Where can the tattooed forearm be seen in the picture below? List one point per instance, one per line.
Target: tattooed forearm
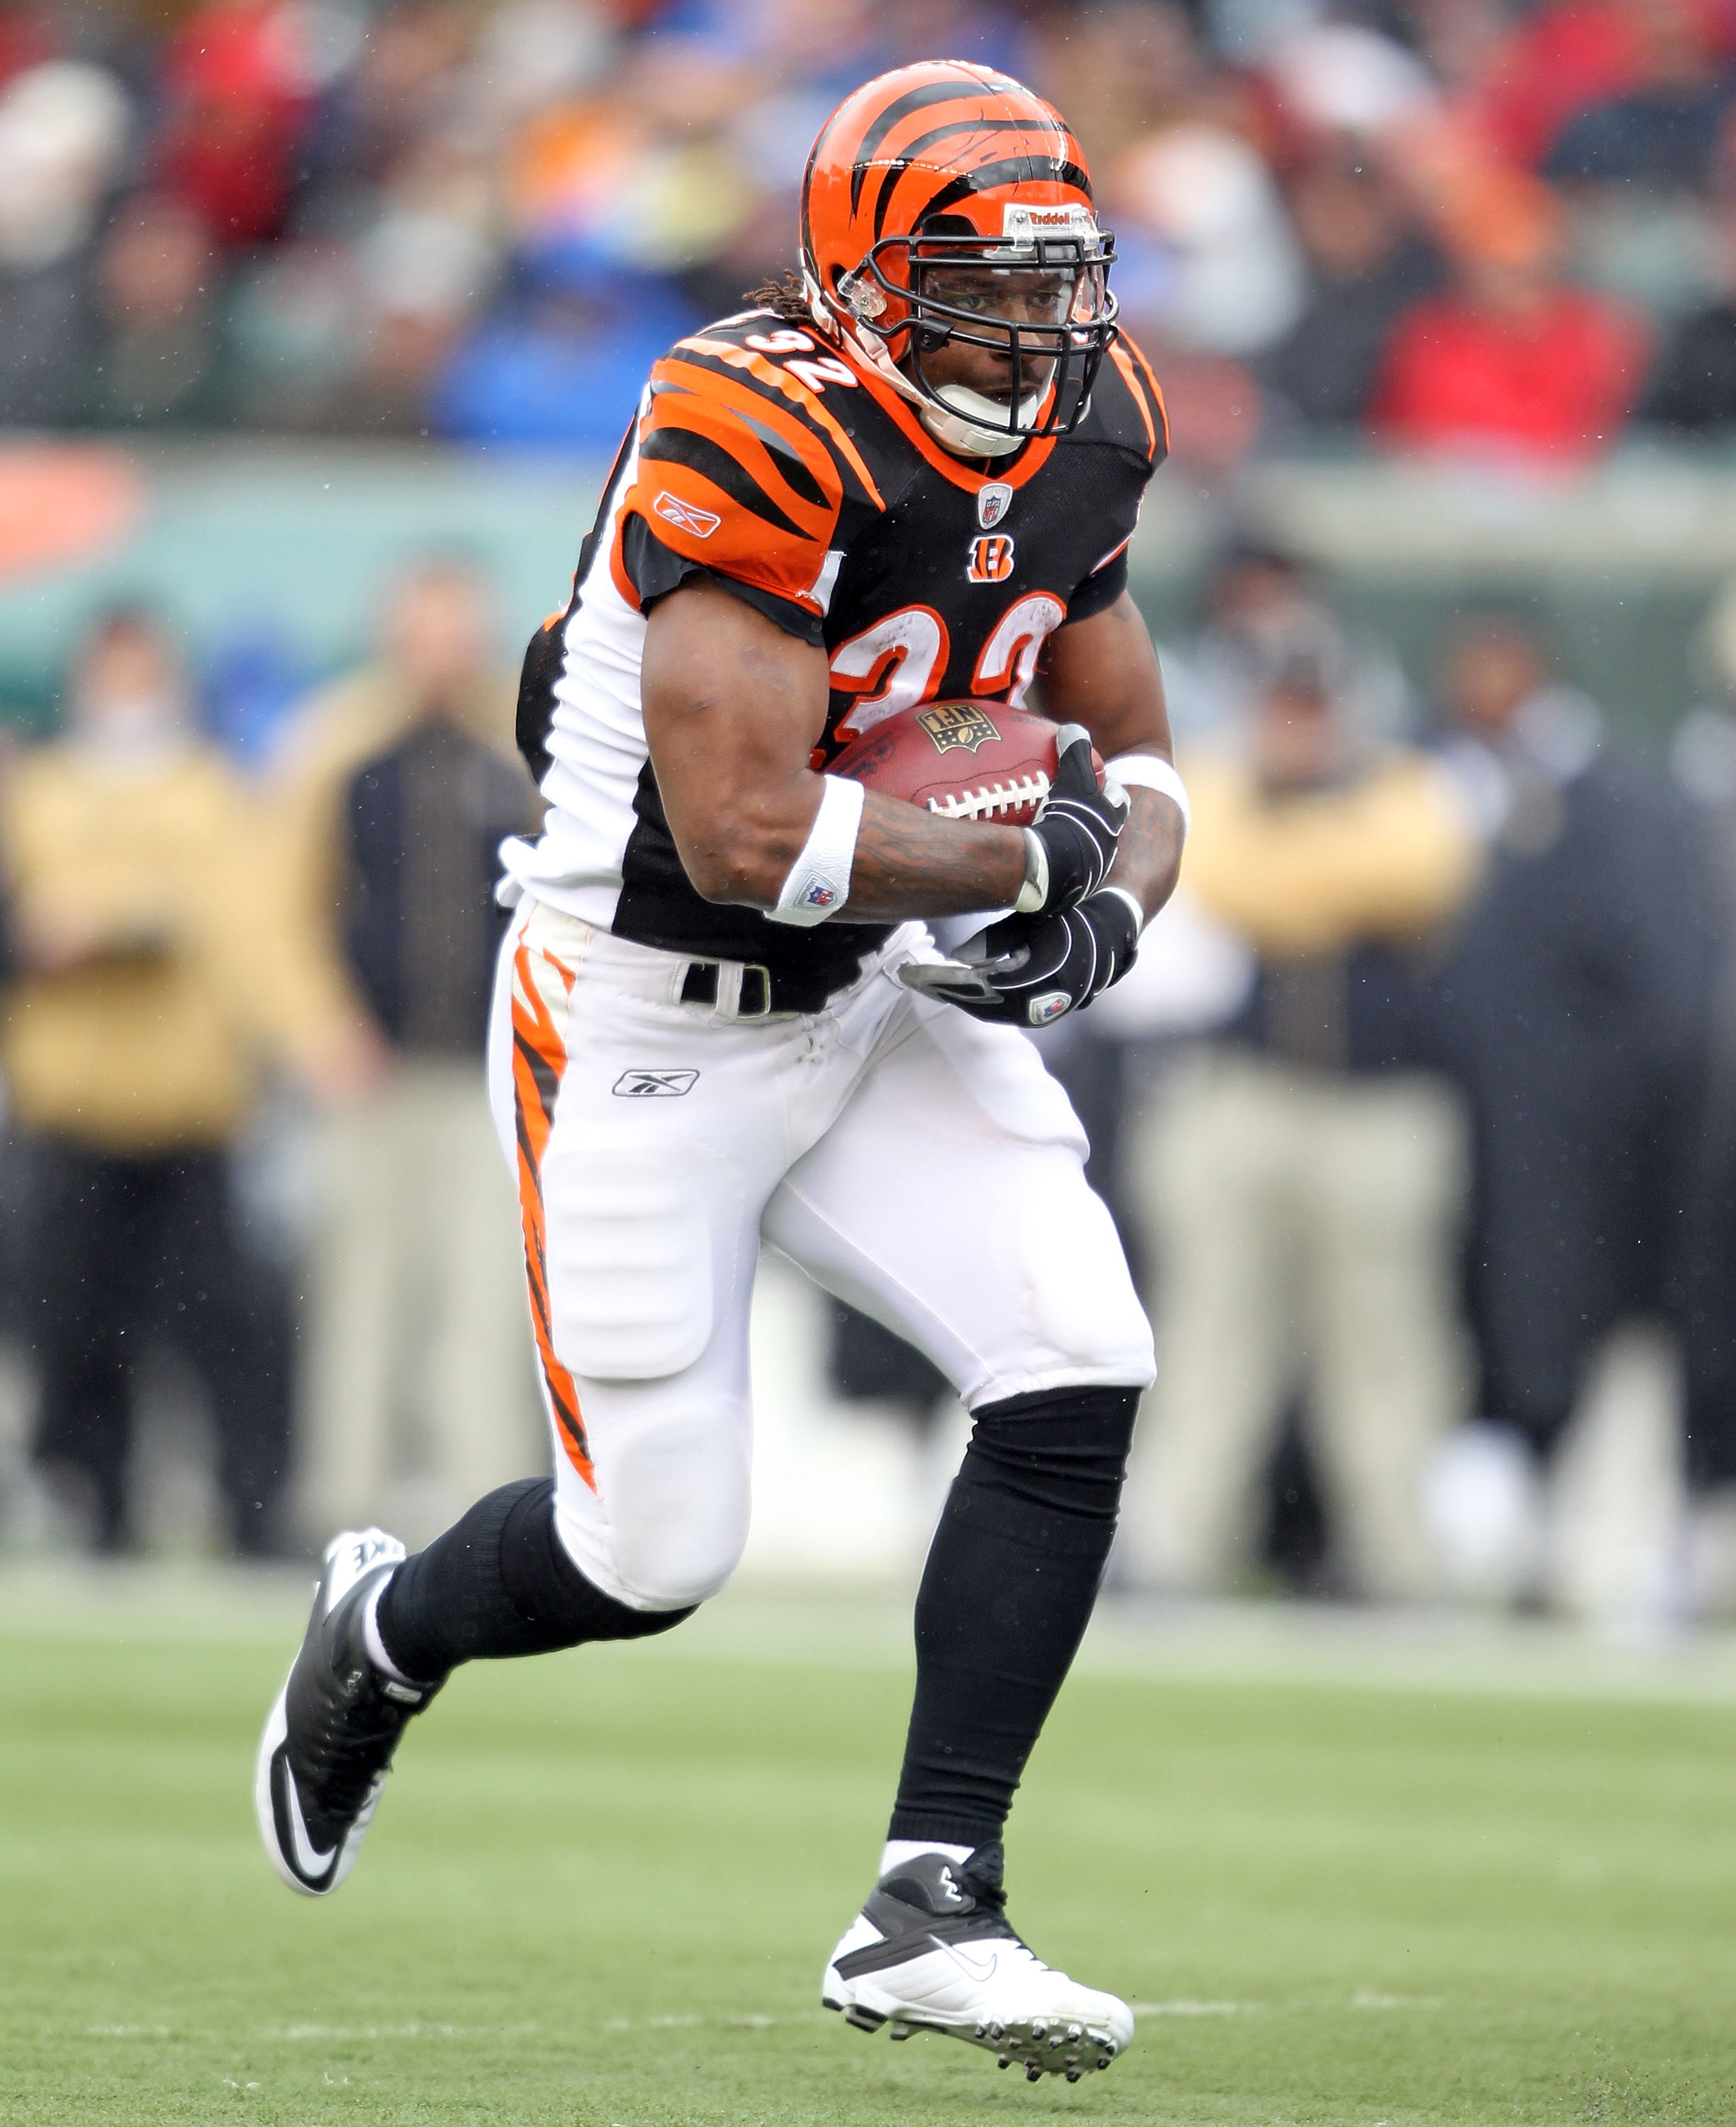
(909, 863)
(1148, 861)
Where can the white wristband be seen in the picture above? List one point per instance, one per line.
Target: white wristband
(1147, 771)
(819, 882)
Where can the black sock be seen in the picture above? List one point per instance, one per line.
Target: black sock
(501, 1583)
(1012, 1578)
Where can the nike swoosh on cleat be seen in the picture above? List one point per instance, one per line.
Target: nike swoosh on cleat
(306, 1860)
(979, 1964)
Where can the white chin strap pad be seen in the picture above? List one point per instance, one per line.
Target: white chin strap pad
(819, 881)
(977, 425)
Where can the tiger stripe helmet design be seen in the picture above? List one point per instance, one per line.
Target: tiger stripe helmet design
(945, 203)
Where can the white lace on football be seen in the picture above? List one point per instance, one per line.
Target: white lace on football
(992, 799)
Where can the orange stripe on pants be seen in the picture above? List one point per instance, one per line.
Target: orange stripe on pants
(539, 1064)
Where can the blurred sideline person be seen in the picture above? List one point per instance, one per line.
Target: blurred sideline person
(1703, 761)
(1571, 1008)
(1255, 594)
(150, 981)
(1302, 1175)
(402, 785)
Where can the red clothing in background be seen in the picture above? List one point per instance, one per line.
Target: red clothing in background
(1559, 382)
(1566, 58)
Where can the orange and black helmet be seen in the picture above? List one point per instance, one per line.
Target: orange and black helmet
(945, 202)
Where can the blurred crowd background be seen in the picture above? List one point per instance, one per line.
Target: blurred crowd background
(1431, 221)
(318, 319)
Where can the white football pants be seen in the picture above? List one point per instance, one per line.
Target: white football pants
(913, 1161)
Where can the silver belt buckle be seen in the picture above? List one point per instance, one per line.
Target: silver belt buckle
(732, 979)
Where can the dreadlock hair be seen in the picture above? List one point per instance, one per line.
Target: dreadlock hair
(785, 297)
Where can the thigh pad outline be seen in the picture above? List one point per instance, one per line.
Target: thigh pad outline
(631, 1280)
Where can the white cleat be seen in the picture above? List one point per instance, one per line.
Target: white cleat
(932, 1951)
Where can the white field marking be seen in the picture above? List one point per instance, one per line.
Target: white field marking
(1363, 1999)
(339, 2032)
(740, 2020)
(1191, 2008)
(231, 2083)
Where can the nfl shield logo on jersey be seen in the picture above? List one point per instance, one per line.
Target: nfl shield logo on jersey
(993, 501)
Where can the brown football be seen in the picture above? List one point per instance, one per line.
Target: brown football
(965, 760)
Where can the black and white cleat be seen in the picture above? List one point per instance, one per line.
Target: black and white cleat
(328, 1740)
(932, 1950)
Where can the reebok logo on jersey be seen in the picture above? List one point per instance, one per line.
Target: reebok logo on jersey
(990, 559)
(684, 517)
(654, 1085)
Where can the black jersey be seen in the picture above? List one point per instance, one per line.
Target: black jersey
(796, 477)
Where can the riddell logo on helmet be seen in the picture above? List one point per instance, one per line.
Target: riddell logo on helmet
(1025, 222)
(684, 517)
(990, 559)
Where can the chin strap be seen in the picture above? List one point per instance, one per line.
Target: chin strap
(957, 432)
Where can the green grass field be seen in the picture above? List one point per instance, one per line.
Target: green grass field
(602, 1886)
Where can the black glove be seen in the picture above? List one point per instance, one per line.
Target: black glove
(1078, 827)
(1030, 969)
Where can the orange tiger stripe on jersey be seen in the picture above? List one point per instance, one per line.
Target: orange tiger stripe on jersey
(768, 373)
(727, 445)
(713, 392)
(539, 1064)
(1150, 374)
(1136, 392)
(1147, 393)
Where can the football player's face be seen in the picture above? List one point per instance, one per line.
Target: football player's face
(994, 298)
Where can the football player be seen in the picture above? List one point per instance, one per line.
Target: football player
(722, 1017)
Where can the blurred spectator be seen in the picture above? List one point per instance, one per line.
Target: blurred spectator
(1301, 1175)
(1124, 71)
(237, 81)
(1694, 384)
(418, 1370)
(1367, 262)
(1557, 60)
(64, 128)
(147, 985)
(1662, 129)
(565, 366)
(476, 216)
(1512, 362)
(1703, 757)
(159, 353)
(1256, 595)
(1222, 273)
(1571, 1009)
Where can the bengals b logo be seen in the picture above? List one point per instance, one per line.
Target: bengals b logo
(991, 559)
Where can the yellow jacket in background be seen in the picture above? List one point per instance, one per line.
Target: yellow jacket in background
(1299, 873)
(157, 1043)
